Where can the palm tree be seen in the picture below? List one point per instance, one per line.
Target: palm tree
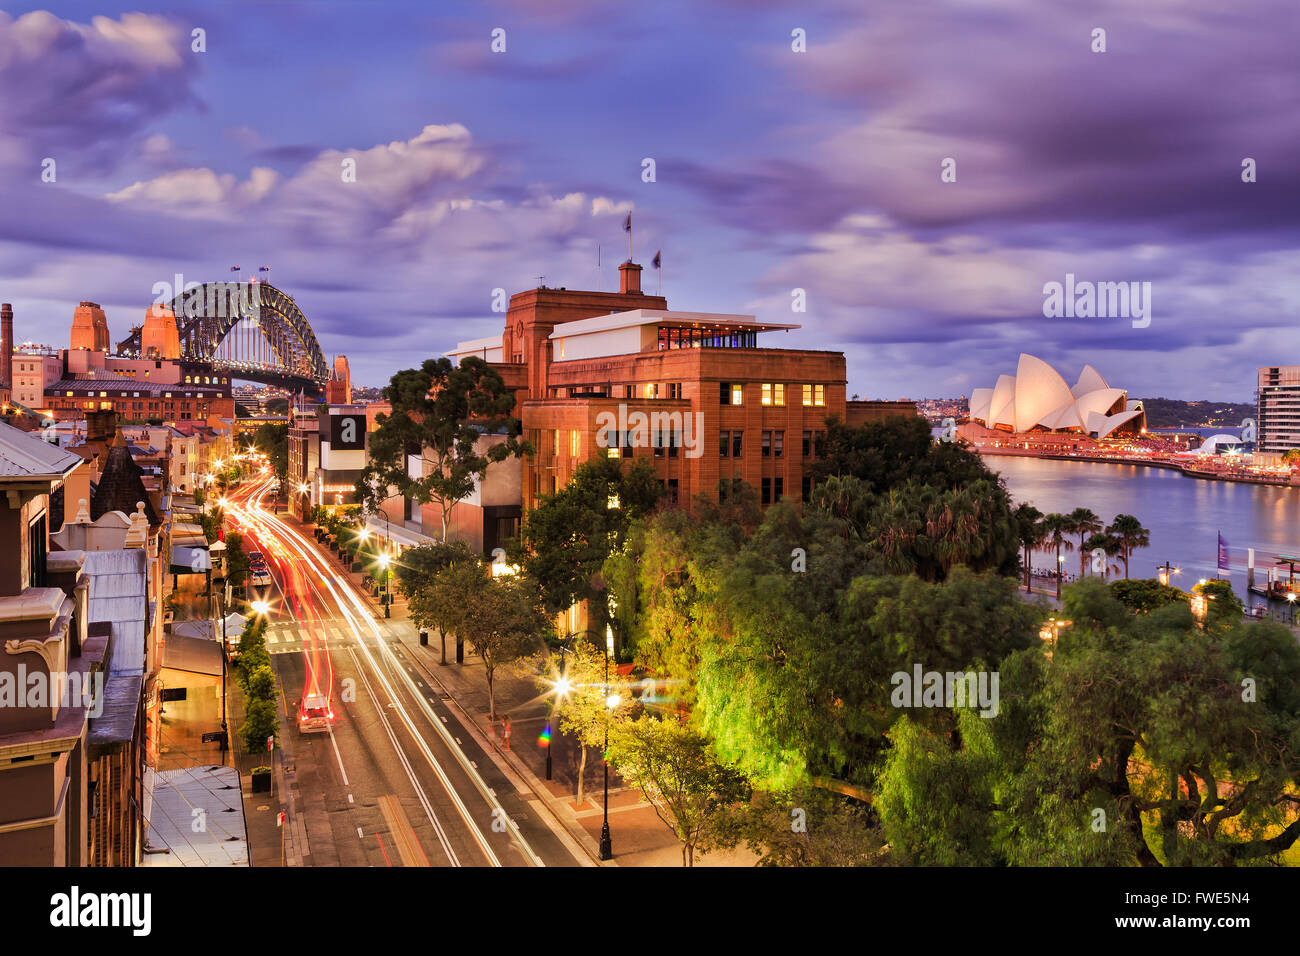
(1029, 529)
(1083, 522)
(1055, 528)
(1108, 544)
(1130, 533)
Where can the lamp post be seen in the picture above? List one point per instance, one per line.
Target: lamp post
(611, 701)
(384, 562)
(562, 688)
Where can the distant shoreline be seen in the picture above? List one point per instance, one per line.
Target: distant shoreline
(1185, 469)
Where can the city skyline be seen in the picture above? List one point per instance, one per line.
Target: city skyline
(775, 170)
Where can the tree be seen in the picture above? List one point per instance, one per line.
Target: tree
(676, 770)
(261, 720)
(503, 622)
(1029, 530)
(583, 710)
(236, 561)
(458, 417)
(813, 827)
(1182, 737)
(1130, 534)
(1106, 543)
(273, 438)
(1055, 528)
(434, 579)
(567, 538)
(1084, 522)
(1222, 606)
(1144, 595)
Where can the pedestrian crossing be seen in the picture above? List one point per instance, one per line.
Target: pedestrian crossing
(291, 637)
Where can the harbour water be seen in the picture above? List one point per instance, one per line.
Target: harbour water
(1183, 514)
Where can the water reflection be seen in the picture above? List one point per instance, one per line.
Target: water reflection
(1184, 514)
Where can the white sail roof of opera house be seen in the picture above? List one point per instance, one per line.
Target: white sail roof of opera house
(1037, 396)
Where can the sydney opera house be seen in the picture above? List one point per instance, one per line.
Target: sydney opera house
(1037, 398)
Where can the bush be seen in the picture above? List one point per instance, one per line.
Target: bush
(260, 721)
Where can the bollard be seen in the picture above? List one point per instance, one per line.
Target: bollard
(424, 638)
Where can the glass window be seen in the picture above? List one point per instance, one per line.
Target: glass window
(767, 491)
(766, 443)
(736, 445)
(737, 394)
(778, 444)
(767, 394)
(807, 395)
(778, 394)
(778, 489)
(574, 443)
(724, 393)
(724, 444)
(807, 444)
(819, 394)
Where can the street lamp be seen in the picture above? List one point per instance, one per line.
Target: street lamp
(606, 846)
(1290, 599)
(384, 561)
(562, 688)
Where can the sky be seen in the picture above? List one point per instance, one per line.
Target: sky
(776, 169)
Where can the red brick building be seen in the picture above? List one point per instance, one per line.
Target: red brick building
(695, 394)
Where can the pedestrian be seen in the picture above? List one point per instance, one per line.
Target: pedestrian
(505, 729)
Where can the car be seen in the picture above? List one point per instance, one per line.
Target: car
(256, 558)
(260, 577)
(315, 714)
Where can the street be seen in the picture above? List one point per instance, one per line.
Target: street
(396, 780)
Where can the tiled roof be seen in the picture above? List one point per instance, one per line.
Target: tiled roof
(116, 386)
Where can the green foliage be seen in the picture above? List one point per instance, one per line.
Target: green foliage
(566, 540)
(812, 827)
(1145, 594)
(437, 581)
(890, 453)
(236, 560)
(1130, 535)
(1222, 606)
(443, 410)
(691, 791)
(261, 720)
(273, 439)
(503, 622)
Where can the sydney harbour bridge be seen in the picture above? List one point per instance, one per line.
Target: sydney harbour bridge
(247, 330)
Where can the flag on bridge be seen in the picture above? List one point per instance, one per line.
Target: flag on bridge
(1224, 565)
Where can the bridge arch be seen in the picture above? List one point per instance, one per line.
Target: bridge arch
(249, 330)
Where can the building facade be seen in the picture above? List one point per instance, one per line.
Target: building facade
(1277, 408)
(705, 398)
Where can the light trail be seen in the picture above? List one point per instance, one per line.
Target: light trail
(358, 617)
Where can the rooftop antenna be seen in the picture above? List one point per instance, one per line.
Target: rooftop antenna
(541, 282)
(598, 267)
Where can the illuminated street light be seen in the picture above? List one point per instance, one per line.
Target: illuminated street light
(261, 607)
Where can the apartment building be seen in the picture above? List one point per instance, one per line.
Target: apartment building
(1277, 410)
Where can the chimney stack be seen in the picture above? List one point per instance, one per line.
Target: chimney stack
(7, 344)
(629, 278)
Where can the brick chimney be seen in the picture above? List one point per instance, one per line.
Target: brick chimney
(629, 278)
(7, 345)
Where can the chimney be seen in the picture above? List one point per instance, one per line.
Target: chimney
(7, 344)
(629, 278)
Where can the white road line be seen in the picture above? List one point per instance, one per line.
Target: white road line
(339, 757)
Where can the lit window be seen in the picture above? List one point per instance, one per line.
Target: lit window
(778, 394)
(652, 390)
(555, 435)
(819, 394)
(737, 394)
(767, 394)
(613, 452)
(573, 443)
(807, 395)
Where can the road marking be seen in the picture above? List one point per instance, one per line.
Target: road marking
(350, 798)
(459, 741)
(359, 833)
(339, 757)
